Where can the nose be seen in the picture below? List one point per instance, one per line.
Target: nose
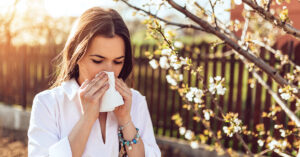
(108, 67)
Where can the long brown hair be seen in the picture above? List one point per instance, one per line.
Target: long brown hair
(95, 21)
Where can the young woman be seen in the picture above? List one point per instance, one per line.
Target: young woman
(65, 119)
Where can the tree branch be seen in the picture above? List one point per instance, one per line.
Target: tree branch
(274, 20)
(269, 48)
(257, 61)
(163, 20)
(214, 102)
(284, 107)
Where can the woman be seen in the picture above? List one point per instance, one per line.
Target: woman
(65, 119)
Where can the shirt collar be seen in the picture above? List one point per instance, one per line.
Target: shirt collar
(70, 86)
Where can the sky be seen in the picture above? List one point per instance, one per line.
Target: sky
(58, 8)
(79, 6)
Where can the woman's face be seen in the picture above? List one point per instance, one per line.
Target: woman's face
(103, 54)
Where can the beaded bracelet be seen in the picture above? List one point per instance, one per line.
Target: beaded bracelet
(128, 143)
(122, 127)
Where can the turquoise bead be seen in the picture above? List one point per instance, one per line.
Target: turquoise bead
(134, 141)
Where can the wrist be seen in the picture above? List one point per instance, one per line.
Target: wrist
(87, 118)
(124, 121)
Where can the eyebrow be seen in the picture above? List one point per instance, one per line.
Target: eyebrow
(104, 57)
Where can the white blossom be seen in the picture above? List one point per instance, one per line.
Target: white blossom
(237, 121)
(273, 144)
(194, 94)
(207, 114)
(189, 96)
(180, 77)
(178, 44)
(235, 125)
(218, 78)
(237, 129)
(260, 142)
(295, 90)
(188, 135)
(166, 52)
(238, 2)
(163, 62)
(227, 131)
(220, 89)
(194, 144)
(216, 85)
(286, 92)
(173, 58)
(211, 80)
(282, 133)
(171, 80)
(182, 130)
(184, 61)
(175, 65)
(153, 63)
(283, 144)
(285, 96)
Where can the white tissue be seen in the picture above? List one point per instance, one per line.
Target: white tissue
(111, 98)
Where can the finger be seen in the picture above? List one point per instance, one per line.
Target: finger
(127, 90)
(123, 92)
(98, 76)
(101, 72)
(99, 84)
(118, 85)
(94, 81)
(84, 84)
(100, 92)
(122, 82)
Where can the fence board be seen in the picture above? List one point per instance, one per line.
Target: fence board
(26, 70)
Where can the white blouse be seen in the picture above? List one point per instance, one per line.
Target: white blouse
(56, 111)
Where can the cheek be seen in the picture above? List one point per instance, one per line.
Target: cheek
(118, 69)
(88, 70)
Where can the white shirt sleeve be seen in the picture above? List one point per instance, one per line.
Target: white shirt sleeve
(43, 133)
(146, 130)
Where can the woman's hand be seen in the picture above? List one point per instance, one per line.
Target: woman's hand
(91, 92)
(123, 112)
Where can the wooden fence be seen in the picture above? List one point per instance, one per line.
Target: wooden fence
(25, 71)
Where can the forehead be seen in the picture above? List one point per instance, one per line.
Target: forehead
(107, 47)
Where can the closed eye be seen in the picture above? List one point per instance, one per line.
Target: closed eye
(118, 62)
(98, 62)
